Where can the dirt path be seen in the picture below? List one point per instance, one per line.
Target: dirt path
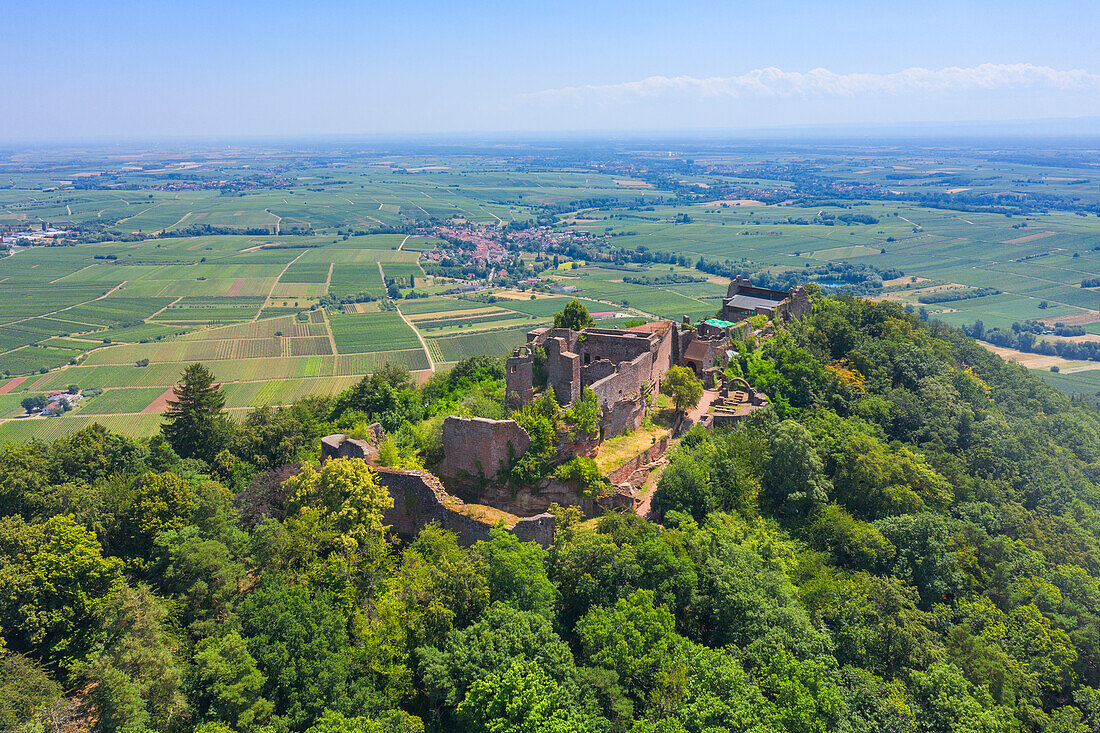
(328, 280)
(403, 242)
(423, 343)
(328, 329)
(164, 308)
(276, 283)
(82, 269)
(500, 222)
(620, 306)
(697, 412)
(645, 506)
(137, 214)
(182, 219)
(278, 222)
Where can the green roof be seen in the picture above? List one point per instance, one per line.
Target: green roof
(719, 324)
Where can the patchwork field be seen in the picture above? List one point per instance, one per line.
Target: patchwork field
(317, 275)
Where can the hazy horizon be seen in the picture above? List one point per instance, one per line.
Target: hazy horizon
(249, 69)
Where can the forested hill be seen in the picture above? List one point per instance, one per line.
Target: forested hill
(909, 540)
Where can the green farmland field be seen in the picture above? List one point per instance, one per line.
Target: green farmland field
(278, 280)
(372, 332)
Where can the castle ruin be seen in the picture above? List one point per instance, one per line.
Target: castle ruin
(623, 367)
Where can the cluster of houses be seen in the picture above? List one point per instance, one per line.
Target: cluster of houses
(27, 237)
(58, 403)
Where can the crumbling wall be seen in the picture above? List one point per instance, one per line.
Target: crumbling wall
(539, 528)
(419, 499)
(613, 345)
(529, 500)
(480, 448)
(796, 306)
(626, 381)
(519, 377)
(563, 370)
(622, 474)
(623, 395)
(663, 359)
(622, 417)
(596, 371)
(341, 446)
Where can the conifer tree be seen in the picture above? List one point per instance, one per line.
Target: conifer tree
(194, 423)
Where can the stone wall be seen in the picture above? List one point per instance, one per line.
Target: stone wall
(623, 395)
(626, 381)
(597, 370)
(419, 499)
(480, 448)
(622, 416)
(578, 360)
(797, 305)
(563, 370)
(519, 376)
(614, 345)
(528, 500)
(622, 474)
(341, 446)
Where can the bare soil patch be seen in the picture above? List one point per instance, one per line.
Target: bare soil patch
(904, 279)
(517, 295)
(235, 288)
(736, 202)
(1074, 319)
(485, 311)
(1029, 237)
(12, 384)
(160, 404)
(1031, 361)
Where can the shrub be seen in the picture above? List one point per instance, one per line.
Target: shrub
(584, 472)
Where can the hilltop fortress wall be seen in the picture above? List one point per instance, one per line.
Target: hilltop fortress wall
(419, 498)
(623, 367)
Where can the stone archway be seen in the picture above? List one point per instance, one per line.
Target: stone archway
(741, 382)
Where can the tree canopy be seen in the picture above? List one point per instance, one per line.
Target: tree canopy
(907, 539)
(573, 316)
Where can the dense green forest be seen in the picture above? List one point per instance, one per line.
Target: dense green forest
(908, 540)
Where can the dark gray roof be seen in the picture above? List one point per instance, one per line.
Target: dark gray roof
(751, 302)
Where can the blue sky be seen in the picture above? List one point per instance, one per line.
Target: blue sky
(82, 69)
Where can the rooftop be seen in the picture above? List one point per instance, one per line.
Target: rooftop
(751, 302)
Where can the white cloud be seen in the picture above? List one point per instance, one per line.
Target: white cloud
(773, 82)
